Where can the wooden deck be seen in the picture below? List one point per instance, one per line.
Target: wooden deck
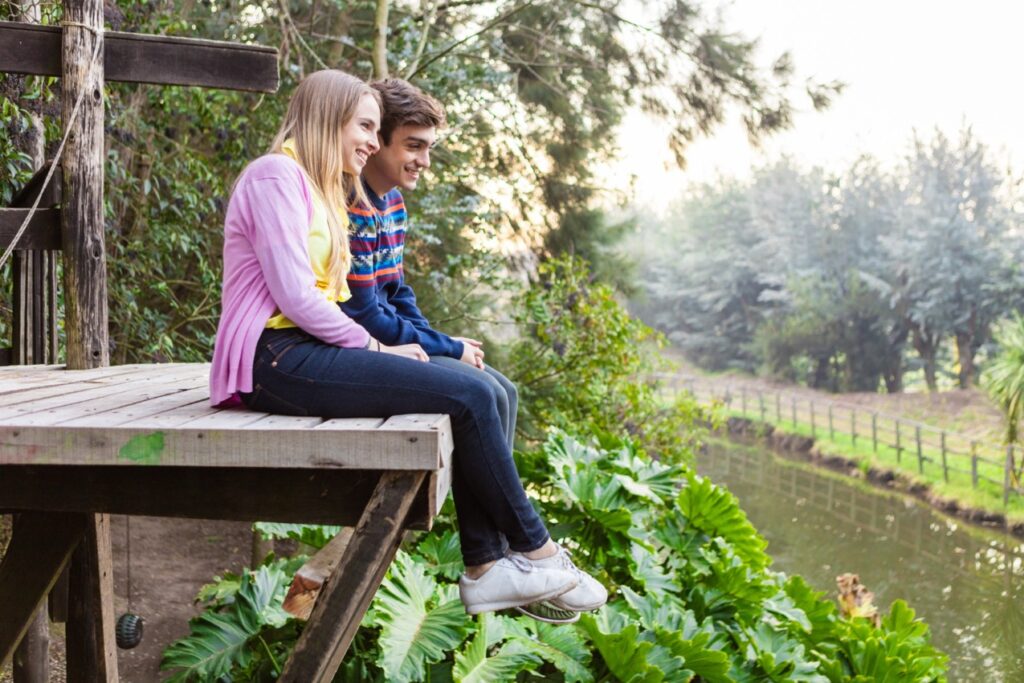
(136, 417)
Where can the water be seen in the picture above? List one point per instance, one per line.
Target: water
(968, 584)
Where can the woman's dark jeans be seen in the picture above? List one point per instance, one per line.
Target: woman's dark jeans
(297, 374)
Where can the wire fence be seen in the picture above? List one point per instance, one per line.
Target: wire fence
(910, 445)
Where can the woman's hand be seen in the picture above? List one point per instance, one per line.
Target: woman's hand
(472, 352)
(413, 351)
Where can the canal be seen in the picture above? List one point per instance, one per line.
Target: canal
(967, 583)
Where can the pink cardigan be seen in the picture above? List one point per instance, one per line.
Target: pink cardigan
(266, 268)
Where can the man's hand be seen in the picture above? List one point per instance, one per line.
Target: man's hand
(472, 352)
(411, 351)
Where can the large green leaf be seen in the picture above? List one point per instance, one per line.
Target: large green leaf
(623, 652)
(563, 647)
(442, 554)
(475, 663)
(219, 641)
(314, 535)
(420, 621)
(715, 511)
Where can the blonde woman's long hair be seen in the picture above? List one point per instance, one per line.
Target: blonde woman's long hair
(322, 104)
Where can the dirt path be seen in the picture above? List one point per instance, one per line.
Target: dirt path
(170, 560)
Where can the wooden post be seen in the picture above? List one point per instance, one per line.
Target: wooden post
(793, 411)
(32, 659)
(85, 273)
(874, 432)
(1006, 474)
(831, 426)
(778, 407)
(921, 456)
(743, 400)
(945, 466)
(899, 444)
(853, 425)
(974, 464)
(92, 657)
(814, 427)
(760, 402)
(345, 597)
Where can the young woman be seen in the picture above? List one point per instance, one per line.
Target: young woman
(284, 345)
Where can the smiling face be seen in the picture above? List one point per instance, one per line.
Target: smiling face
(359, 136)
(400, 163)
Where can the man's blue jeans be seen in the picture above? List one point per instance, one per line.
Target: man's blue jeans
(505, 394)
(297, 374)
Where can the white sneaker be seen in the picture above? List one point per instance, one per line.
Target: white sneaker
(511, 582)
(588, 595)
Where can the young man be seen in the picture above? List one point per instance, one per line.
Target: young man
(381, 301)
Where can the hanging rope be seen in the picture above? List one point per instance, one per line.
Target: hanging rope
(60, 149)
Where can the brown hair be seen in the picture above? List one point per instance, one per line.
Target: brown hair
(320, 107)
(405, 105)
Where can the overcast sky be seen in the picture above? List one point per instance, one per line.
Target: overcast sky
(906, 63)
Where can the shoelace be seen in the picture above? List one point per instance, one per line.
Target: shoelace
(566, 560)
(520, 562)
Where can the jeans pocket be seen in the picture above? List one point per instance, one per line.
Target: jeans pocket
(268, 402)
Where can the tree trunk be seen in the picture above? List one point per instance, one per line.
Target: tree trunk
(380, 41)
(926, 346)
(965, 353)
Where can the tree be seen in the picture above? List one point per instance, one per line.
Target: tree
(1004, 377)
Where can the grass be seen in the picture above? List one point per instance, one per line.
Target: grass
(928, 470)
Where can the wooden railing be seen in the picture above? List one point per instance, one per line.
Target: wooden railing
(930, 450)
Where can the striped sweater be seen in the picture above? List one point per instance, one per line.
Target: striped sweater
(381, 301)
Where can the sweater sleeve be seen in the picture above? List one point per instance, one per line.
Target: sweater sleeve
(280, 213)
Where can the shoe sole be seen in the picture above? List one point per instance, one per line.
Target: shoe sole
(548, 620)
(584, 608)
(519, 602)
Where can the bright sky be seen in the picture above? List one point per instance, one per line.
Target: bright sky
(907, 64)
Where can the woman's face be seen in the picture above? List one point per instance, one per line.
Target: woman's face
(359, 136)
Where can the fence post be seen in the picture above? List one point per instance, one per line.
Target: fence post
(743, 400)
(945, 467)
(814, 427)
(974, 464)
(831, 427)
(874, 432)
(760, 400)
(778, 407)
(921, 456)
(899, 444)
(853, 425)
(793, 411)
(1006, 474)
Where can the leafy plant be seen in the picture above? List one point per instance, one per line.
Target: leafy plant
(1004, 377)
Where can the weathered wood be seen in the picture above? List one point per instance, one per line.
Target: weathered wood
(345, 598)
(26, 196)
(58, 598)
(39, 549)
(135, 58)
(85, 270)
(310, 577)
(43, 231)
(313, 496)
(32, 658)
(91, 649)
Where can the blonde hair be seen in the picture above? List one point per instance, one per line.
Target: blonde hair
(322, 104)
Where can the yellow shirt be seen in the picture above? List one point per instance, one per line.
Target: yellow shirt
(319, 246)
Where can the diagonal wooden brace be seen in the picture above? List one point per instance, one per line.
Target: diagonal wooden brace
(92, 657)
(311, 576)
(347, 594)
(39, 549)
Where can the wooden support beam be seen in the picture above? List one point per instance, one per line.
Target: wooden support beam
(347, 595)
(85, 259)
(243, 494)
(135, 58)
(43, 231)
(32, 658)
(39, 549)
(92, 653)
(311, 576)
(26, 196)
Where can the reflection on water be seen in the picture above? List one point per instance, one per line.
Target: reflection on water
(967, 584)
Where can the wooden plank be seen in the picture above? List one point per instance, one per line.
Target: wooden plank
(351, 423)
(286, 422)
(85, 266)
(310, 577)
(26, 196)
(314, 496)
(136, 58)
(132, 444)
(91, 650)
(43, 231)
(189, 398)
(40, 547)
(32, 658)
(345, 598)
(440, 482)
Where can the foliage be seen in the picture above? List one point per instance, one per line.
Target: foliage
(583, 360)
(694, 597)
(833, 280)
(1004, 377)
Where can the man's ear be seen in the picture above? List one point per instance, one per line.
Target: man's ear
(380, 141)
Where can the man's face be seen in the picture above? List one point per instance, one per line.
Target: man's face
(400, 163)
